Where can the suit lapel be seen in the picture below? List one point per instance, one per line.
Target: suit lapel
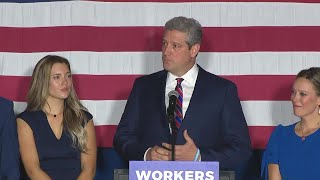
(196, 97)
(162, 89)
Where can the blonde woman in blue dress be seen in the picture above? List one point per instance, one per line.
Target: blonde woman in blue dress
(293, 151)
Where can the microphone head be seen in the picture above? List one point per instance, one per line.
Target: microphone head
(173, 93)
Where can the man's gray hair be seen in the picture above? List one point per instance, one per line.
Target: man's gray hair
(186, 25)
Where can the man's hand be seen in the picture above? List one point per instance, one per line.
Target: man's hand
(158, 154)
(184, 152)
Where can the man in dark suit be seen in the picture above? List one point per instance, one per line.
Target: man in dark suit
(212, 127)
(9, 148)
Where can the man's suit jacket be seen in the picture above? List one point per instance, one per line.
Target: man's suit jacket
(214, 120)
(9, 148)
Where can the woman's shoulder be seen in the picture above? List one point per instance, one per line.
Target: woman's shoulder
(282, 128)
(28, 115)
(88, 117)
(88, 114)
(283, 131)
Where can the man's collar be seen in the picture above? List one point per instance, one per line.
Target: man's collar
(190, 77)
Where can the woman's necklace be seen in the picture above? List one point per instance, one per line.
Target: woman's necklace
(54, 115)
(302, 134)
(303, 137)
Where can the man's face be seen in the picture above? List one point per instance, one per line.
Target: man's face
(177, 58)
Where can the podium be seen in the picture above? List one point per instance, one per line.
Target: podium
(192, 169)
(123, 174)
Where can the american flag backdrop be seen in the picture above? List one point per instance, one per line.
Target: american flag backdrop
(259, 45)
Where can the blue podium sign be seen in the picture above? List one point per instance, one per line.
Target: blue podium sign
(173, 170)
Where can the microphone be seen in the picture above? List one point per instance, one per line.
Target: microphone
(173, 95)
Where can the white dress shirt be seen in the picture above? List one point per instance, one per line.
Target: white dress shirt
(188, 83)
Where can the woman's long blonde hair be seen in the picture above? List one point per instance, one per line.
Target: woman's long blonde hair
(74, 118)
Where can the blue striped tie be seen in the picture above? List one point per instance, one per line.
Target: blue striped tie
(178, 110)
